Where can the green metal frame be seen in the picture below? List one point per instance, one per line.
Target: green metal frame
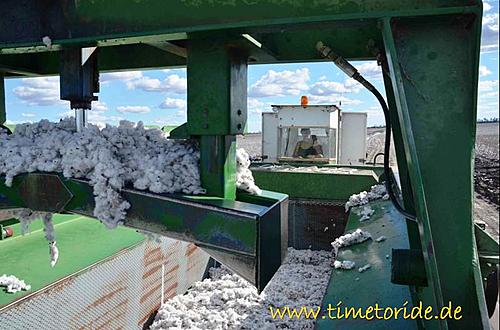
(430, 51)
(325, 186)
(244, 236)
(3, 116)
(434, 93)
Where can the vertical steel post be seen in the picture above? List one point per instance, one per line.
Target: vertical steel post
(3, 113)
(433, 69)
(217, 109)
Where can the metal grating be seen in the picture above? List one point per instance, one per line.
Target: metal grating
(122, 291)
(314, 224)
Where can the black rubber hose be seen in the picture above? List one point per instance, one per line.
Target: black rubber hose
(376, 156)
(352, 72)
(387, 146)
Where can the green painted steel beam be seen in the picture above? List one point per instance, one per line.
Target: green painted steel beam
(216, 88)
(3, 115)
(120, 20)
(434, 70)
(218, 165)
(217, 109)
(285, 34)
(356, 289)
(246, 237)
(123, 57)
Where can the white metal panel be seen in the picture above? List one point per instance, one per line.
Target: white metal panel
(334, 120)
(296, 115)
(353, 138)
(270, 136)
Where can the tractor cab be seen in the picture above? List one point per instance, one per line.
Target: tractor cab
(318, 134)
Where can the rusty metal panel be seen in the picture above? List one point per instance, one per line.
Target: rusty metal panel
(122, 291)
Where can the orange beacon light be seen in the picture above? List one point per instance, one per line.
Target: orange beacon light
(304, 101)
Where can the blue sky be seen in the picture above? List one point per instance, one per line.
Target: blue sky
(158, 97)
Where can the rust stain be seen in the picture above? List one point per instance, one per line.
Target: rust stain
(174, 269)
(170, 288)
(157, 268)
(105, 324)
(108, 317)
(149, 293)
(61, 286)
(191, 249)
(151, 271)
(154, 258)
(148, 315)
(105, 297)
(152, 251)
(156, 288)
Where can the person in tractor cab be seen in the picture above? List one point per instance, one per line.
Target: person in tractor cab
(308, 147)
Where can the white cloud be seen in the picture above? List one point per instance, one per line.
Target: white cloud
(99, 106)
(120, 76)
(172, 83)
(490, 94)
(281, 83)
(40, 91)
(29, 114)
(484, 71)
(333, 99)
(334, 87)
(370, 70)
(254, 103)
(172, 103)
(486, 6)
(488, 85)
(489, 35)
(325, 88)
(133, 109)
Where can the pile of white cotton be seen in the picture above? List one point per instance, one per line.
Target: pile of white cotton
(110, 159)
(226, 301)
(365, 212)
(356, 237)
(244, 177)
(376, 192)
(12, 284)
(346, 264)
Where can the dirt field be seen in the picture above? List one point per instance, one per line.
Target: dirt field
(486, 174)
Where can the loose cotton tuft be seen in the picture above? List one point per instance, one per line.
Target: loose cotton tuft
(356, 237)
(244, 177)
(12, 284)
(376, 192)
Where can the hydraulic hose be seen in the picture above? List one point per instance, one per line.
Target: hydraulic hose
(352, 72)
